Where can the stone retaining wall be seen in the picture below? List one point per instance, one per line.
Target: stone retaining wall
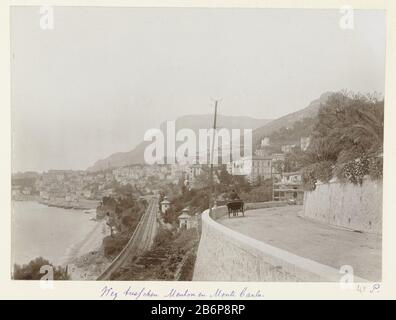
(357, 207)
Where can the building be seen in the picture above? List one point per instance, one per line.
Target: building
(27, 191)
(16, 191)
(123, 175)
(255, 168)
(262, 152)
(304, 143)
(192, 172)
(186, 220)
(278, 157)
(292, 178)
(265, 142)
(44, 195)
(288, 148)
(88, 193)
(71, 197)
(289, 188)
(165, 205)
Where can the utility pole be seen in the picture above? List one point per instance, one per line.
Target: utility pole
(211, 188)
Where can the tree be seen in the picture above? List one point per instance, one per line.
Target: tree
(31, 271)
(224, 177)
(348, 132)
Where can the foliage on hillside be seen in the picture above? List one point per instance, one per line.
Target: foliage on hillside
(197, 199)
(259, 193)
(347, 141)
(310, 111)
(25, 182)
(123, 214)
(31, 271)
(291, 163)
(291, 134)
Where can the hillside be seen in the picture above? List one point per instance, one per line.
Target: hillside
(293, 133)
(287, 121)
(194, 122)
(261, 128)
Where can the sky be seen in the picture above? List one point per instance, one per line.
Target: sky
(93, 84)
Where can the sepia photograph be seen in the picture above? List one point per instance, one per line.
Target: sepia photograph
(197, 144)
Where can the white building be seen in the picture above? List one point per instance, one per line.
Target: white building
(278, 157)
(289, 188)
(165, 205)
(304, 143)
(254, 168)
(288, 148)
(265, 142)
(192, 172)
(186, 220)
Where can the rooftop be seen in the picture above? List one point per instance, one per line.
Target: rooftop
(165, 201)
(184, 215)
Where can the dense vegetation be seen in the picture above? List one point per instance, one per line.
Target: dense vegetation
(291, 135)
(259, 193)
(197, 198)
(347, 140)
(123, 214)
(25, 182)
(32, 271)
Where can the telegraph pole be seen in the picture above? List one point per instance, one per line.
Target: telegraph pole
(211, 188)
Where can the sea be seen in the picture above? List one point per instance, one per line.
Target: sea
(49, 232)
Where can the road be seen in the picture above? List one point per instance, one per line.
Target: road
(283, 228)
(141, 240)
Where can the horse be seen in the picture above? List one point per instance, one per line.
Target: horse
(234, 207)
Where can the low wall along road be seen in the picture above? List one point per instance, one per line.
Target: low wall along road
(227, 255)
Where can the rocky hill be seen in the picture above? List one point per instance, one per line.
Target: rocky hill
(194, 122)
(287, 121)
(261, 128)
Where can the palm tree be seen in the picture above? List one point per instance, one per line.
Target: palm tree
(370, 128)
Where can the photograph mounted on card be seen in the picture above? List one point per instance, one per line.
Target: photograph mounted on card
(197, 144)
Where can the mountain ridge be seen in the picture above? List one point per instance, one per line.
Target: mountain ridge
(310, 111)
(261, 128)
(194, 122)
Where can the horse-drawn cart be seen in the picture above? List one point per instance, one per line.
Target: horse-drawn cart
(234, 207)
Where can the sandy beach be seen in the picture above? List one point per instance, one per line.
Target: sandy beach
(55, 234)
(65, 237)
(86, 259)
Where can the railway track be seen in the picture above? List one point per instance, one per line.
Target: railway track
(141, 240)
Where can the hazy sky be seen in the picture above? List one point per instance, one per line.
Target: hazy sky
(93, 85)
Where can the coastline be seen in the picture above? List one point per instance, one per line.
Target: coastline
(82, 204)
(79, 205)
(76, 255)
(86, 260)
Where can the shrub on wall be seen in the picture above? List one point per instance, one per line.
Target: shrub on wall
(355, 171)
(320, 171)
(376, 168)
